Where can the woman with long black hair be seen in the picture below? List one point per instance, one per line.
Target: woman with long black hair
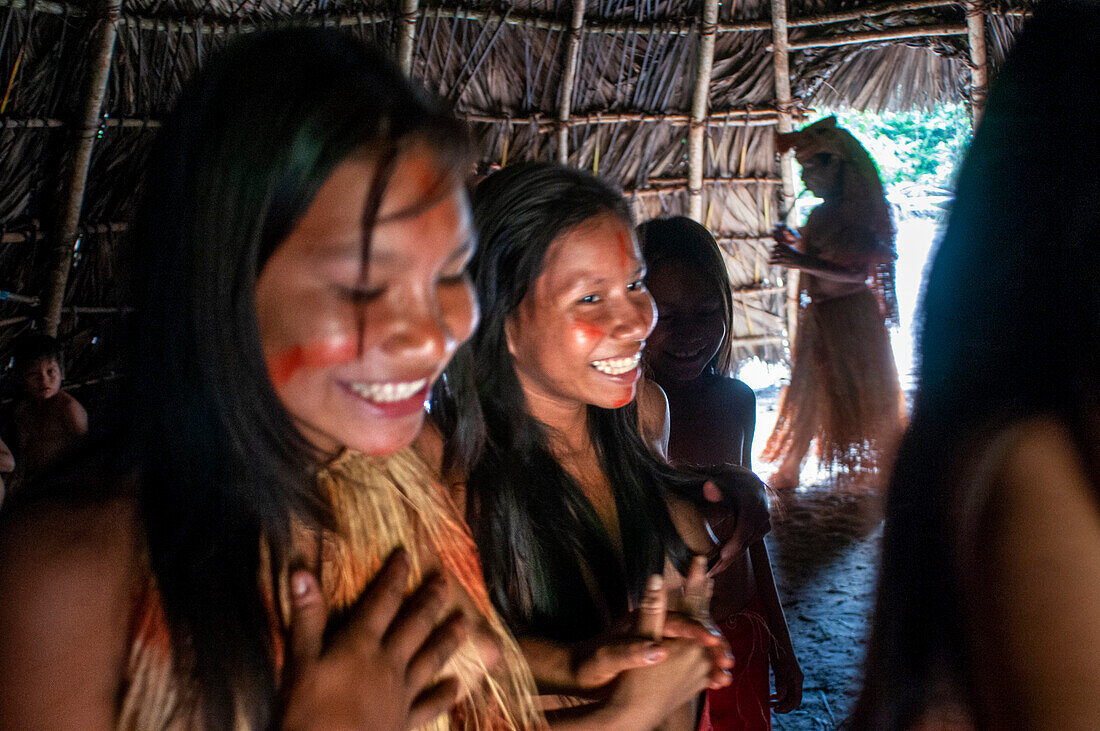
(220, 561)
(558, 446)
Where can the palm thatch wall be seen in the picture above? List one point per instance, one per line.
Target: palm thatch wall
(676, 100)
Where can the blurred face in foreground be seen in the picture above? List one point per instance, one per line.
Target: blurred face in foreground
(577, 336)
(690, 321)
(351, 351)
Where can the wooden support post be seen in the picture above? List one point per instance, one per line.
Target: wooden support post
(783, 102)
(406, 34)
(101, 51)
(565, 99)
(698, 130)
(979, 64)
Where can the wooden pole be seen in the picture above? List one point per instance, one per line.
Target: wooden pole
(979, 64)
(565, 98)
(568, 76)
(698, 125)
(101, 51)
(783, 102)
(406, 34)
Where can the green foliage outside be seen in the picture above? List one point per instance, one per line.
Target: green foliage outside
(911, 147)
(917, 154)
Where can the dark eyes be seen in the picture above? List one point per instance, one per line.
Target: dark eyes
(637, 285)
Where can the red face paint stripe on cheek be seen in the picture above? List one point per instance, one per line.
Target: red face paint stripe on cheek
(586, 332)
(283, 366)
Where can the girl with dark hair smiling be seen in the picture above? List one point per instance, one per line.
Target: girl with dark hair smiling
(557, 446)
(221, 560)
(712, 417)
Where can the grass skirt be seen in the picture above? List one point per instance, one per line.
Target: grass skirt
(844, 392)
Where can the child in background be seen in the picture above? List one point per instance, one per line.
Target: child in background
(47, 420)
(712, 419)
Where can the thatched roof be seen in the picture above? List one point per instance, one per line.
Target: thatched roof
(504, 68)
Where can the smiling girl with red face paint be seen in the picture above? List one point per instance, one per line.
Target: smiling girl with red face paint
(257, 546)
(571, 507)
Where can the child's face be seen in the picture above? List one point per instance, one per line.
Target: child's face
(42, 378)
(690, 321)
(578, 335)
(353, 359)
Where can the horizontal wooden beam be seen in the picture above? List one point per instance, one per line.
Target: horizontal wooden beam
(220, 25)
(751, 341)
(879, 36)
(673, 185)
(35, 234)
(108, 122)
(546, 123)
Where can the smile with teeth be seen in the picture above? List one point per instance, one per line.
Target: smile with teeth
(385, 393)
(617, 366)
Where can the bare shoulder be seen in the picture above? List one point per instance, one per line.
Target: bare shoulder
(731, 392)
(653, 416)
(72, 410)
(1039, 560)
(67, 575)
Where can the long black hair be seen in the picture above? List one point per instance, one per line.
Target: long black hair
(551, 568)
(1010, 329)
(221, 466)
(681, 239)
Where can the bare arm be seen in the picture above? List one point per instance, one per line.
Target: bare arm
(788, 674)
(1038, 581)
(785, 255)
(66, 578)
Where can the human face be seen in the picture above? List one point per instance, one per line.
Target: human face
(351, 357)
(820, 172)
(577, 337)
(42, 378)
(690, 321)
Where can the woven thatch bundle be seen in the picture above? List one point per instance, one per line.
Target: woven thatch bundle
(504, 67)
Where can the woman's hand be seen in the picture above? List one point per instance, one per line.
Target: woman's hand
(788, 682)
(785, 255)
(737, 514)
(379, 671)
(785, 235)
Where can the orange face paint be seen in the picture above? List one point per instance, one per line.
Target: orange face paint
(282, 366)
(626, 399)
(625, 246)
(586, 334)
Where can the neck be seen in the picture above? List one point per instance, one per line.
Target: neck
(567, 421)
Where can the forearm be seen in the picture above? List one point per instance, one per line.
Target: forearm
(769, 598)
(823, 269)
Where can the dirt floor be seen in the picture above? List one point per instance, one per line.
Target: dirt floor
(824, 551)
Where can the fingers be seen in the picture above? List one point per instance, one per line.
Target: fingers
(698, 589)
(711, 493)
(435, 700)
(653, 610)
(307, 623)
(437, 649)
(417, 618)
(617, 657)
(380, 603)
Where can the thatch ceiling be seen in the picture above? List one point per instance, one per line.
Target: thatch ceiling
(501, 66)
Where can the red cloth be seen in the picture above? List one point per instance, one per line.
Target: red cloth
(743, 705)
